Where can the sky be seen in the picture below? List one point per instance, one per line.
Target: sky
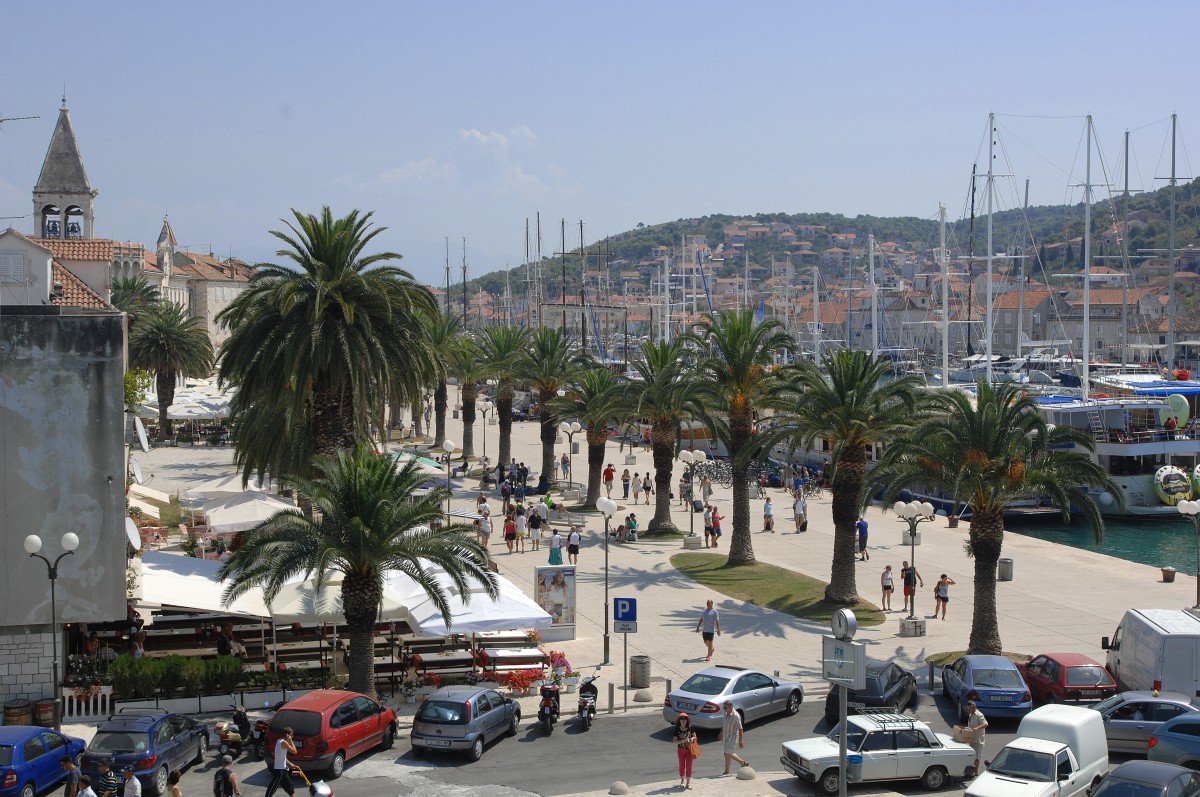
(464, 119)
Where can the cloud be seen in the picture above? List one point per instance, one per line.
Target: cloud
(489, 140)
(515, 180)
(523, 135)
(424, 170)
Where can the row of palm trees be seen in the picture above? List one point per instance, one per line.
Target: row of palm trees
(318, 346)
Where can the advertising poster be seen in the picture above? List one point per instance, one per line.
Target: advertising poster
(556, 594)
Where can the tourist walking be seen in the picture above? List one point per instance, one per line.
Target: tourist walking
(173, 782)
(716, 532)
(564, 465)
(556, 542)
(535, 527)
(132, 786)
(72, 777)
(281, 776)
(685, 489)
(485, 530)
(685, 738)
(861, 525)
(734, 737)
(522, 524)
(637, 486)
(225, 782)
(107, 781)
(707, 526)
(800, 512)
(706, 489)
(910, 577)
(977, 723)
(768, 516)
(85, 786)
(647, 487)
(885, 581)
(941, 595)
(625, 479)
(709, 627)
(610, 475)
(510, 533)
(573, 540)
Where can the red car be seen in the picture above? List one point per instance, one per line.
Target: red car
(331, 726)
(1067, 677)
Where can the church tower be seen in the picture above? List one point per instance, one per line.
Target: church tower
(62, 200)
(166, 248)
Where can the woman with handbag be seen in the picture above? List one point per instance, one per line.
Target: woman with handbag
(686, 749)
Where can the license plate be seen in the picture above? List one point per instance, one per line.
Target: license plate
(856, 705)
(1002, 699)
(1089, 692)
(438, 742)
(689, 707)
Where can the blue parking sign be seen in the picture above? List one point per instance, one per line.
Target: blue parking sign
(625, 609)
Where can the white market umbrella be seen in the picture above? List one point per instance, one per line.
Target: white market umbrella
(302, 602)
(189, 583)
(510, 610)
(423, 467)
(243, 511)
(220, 487)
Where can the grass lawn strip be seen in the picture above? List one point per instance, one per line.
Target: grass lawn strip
(770, 587)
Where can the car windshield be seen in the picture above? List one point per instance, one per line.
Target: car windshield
(302, 723)
(1119, 787)
(702, 684)
(445, 712)
(1108, 703)
(5, 755)
(1090, 675)
(854, 739)
(119, 742)
(1025, 764)
(997, 679)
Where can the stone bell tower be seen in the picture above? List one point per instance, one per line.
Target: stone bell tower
(62, 200)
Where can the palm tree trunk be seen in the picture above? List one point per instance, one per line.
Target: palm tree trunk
(548, 432)
(595, 443)
(662, 436)
(165, 384)
(504, 402)
(987, 537)
(847, 501)
(440, 397)
(469, 394)
(741, 546)
(360, 599)
(333, 423)
(418, 428)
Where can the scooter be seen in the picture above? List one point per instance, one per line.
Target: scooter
(548, 708)
(589, 696)
(259, 744)
(234, 734)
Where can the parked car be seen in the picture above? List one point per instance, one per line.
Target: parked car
(1066, 677)
(330, 727)
(463, 718)
(29, 758)
(754, 695)
(1155, 649)
(1177, 741)
(1148, 779)
(152, 741)
(1130, 717)
(1059, 751)
(892, 746)
(888, 686)
(993, 682)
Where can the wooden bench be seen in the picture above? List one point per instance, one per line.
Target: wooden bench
(508, 659)
(442, 663)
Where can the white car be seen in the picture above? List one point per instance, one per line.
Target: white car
(891, 746)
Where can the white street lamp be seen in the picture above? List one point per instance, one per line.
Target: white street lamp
(913, 513)
(33, 544)
(484, 408)
(692, 458)
(1191, 511)
(608, 508)
(449, 447)
(570, 430)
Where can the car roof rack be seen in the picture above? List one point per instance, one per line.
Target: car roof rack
(887, 717)
(131, 711)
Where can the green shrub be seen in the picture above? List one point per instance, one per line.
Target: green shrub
(147, 676)
(123, 672)
(223, 674)
(172, 673)
(192, 677)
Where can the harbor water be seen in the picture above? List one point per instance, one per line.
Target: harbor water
(1159, 543)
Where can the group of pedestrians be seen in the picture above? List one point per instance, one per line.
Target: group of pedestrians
(909, 577)
(687, 748)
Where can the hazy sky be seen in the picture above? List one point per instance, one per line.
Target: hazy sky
(462, 119)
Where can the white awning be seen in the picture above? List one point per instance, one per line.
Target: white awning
(242, 512)
(188, 583)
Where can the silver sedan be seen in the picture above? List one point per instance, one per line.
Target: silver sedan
(1130, 717)
(754, 694)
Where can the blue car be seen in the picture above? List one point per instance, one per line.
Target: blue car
(993, 682)
(152, 741)
(30, 756)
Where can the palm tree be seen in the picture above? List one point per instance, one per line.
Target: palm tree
(662, 395)
(370, 521)
(852, 401)
(734, 380)
(168, 342)
(546, 366)
(502, 349)
(330, 336)
(594, 398)
(132, 295)
(468, 366)
(443, 332)
(988, 455)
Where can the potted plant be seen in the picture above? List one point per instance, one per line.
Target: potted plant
(571, 679)
(410, 690)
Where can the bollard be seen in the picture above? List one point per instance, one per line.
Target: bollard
(929, 664)
(669, 687)
(777, 673)
(612, 696)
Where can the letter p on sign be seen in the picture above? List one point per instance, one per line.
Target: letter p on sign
(625, 609)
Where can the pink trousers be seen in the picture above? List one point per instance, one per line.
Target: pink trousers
(685, 762)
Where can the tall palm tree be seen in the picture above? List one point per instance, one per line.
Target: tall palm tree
(502, 349)
(369, 522)
(467, 365)
(331, 335)
(987, 455)
(132, 295)
(735, 380)
(662, 395)
(546, 366)
(168, 342)
(593, 397)
(443, 331)
(852, 401)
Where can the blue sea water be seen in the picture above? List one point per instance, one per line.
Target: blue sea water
(1159, 543)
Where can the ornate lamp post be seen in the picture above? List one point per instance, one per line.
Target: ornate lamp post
(1191, 510)
(570, 430)
(33, 544)
(691, 459)
(449, 446)
(484, 408)
(913, 514)
(608, 508)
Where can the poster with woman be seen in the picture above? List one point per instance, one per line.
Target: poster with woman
(556, 594)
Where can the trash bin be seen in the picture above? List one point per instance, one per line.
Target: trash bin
(854, 768)
(639, 672)
(1004, 570)
(1168, 575)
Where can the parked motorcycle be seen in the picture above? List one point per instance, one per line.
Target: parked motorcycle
(260, 733)
(589, 696)
(548, 708)
(234, 734)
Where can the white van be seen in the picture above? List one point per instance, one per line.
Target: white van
(1060, 751)
(1156, 649)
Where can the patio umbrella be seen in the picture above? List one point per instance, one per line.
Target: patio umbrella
(220, 487)
(511, 609)
(425, 467)
(302, 602)
(243, 511)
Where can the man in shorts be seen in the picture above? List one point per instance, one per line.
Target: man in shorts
(861, 526)
(800, 511)
(978, 724)
(709, 626)
(573, 540)
(910, 577)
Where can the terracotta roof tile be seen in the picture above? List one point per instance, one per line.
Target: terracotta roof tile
(75, 292)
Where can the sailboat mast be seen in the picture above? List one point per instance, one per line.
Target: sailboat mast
(874, 296)
(990, 190)
(816, 315)
(1087, 261)
(1125, 270)
(466, 302)
(447, 276)
(945, 294)
(1021, 278)
(1171, 265)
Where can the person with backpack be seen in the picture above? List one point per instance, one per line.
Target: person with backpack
(225, 782)
(573, 540)
(281, 776)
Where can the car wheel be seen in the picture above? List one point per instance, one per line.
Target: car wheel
(934, 778)
(337, 766)
(28, 790)
(201, 749)
(389, 737)
(793, 703)
(159, 786)
(476, 751)
(829, 782)
(514, 725)
(741, 717)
